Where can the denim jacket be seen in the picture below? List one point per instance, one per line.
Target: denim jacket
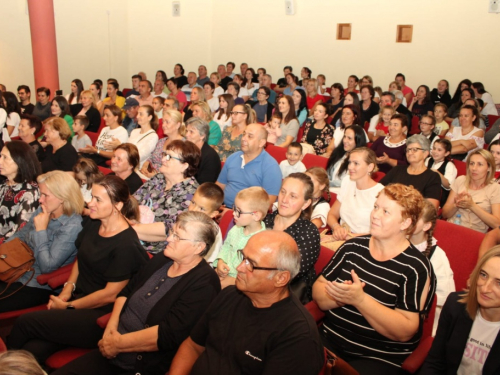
(53, 247)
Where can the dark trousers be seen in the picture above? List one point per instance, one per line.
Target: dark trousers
(91, 363)
(364, 365)
(22, 299)
(45, 332)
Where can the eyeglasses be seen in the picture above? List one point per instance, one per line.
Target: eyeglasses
(413, 150)
(236, 112)
(238, 212)
(424, 123)
(168, 157)
(176, 237)
(261, 93)
(249, 265)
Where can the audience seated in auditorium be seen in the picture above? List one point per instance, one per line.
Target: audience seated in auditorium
(87, 107)
(350, 214)
(398, 286)
(320, 206)
(113, 98)
(440, 162)
(230, 142)
(109, 255)
(124, 163)
(169, 192)
(102, 151)
(50, 233)
(289, 125)
(28, 127)
(261, 169)
(59, 153)
(475, 196)
(293, 216)
(467, 339)
(288, 340)
(467, 137)
(318, 133)
(19, 193)
(416, 174)
(202, 111)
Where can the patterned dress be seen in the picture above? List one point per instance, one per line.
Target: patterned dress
(323, 137)
(17, 204)
(227, 146)
(166, 205)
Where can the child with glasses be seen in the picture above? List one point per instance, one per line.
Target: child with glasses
(427, 124)
(249, 210)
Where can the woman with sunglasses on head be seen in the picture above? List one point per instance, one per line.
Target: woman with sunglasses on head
(416, 174)
(169, 192)
(241, 115)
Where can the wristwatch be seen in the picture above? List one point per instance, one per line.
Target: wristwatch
(70, 307)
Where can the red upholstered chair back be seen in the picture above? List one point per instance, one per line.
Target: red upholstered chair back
(325, 254)
(300, 133)
(377, 176)
(226, 223)
(461, 167)
(105, 171)
(3, 348)
(278, 153)
(93, 137)
(415, 126)
(314, 161)
(461, 246)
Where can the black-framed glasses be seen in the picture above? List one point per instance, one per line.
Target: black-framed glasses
(249, 265)
(261, 93)
(238, 212)
(168, 157)
(176, 237)
(413, 150)
(236, 112)
(425, 123)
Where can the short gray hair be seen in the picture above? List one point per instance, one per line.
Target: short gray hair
(200, 125)
(398, 94)
(421, 140)
(176, 102)
(201, 225)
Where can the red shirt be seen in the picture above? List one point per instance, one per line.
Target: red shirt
(312, 101)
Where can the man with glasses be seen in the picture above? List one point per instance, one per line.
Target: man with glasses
(256, 326)
(252, 166)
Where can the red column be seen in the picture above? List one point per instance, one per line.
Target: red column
(43, 44)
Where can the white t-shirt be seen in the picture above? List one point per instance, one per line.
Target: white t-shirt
(450, 173)
(213, 104)
(74, 101)
(243, 92)
(287, 169)
(481, 339)
(218, 91)
(145, 143)
(445, 284)
(107, 133)
(320, 211)
(357, 205)
(456, 134)
(224, 121)
(13, 120)
(213, 253)
(87, 193)
(489, 105)
(163, 95)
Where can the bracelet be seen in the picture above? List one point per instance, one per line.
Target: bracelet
(335, 225)
(69, 282)
(98, 151)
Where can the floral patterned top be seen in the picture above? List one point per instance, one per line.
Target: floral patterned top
(227, 146)
(165, 204)
(322, 138)
(17, 204)
(157, 154)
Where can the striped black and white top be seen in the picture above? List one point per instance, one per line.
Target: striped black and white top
(397, 283)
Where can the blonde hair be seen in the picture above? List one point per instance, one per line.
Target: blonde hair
(322, 177)
(315, 81)
(91, 95)
(206, 110)
(59, 125)
(256, 198)
(177, 117)
(491, 166)
(469, 298)
(19, 362)
(201, 94)
(65, 188)
(382, 109)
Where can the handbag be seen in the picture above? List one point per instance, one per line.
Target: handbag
(337, 366)
(16, 258)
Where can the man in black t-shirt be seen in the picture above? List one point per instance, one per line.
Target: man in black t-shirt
(256, 326)
(24, 94)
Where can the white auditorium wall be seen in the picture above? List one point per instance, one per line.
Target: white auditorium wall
(451, 39)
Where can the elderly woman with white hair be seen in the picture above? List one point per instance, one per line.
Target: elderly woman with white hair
(416, 174)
